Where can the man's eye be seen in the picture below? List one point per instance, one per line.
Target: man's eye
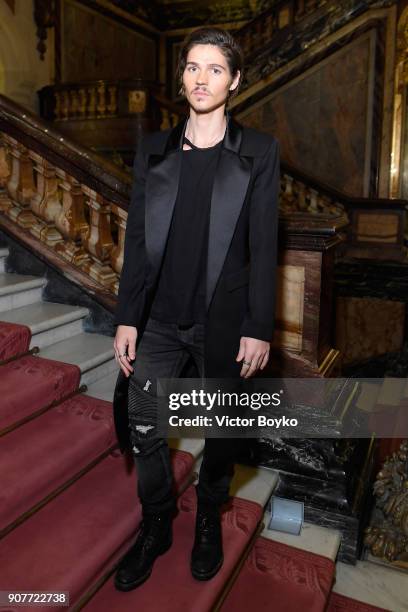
(191, 68)
(217, 70)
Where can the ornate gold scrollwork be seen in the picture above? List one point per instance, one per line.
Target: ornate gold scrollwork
(387, 536)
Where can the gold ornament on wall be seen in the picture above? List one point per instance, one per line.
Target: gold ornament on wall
(137, 101)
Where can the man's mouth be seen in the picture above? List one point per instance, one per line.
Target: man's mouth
(200, 92)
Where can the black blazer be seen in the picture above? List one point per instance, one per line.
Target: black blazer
(244, 202)
(242, 242)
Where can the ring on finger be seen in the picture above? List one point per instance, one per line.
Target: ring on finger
(247, 363)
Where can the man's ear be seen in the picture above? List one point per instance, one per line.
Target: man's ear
(235, 82)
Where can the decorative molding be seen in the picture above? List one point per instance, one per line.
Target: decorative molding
(399, 119)
(44, 17)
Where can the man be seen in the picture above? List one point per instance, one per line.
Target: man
(198, 282)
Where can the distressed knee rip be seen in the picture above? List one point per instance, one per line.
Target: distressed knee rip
(142, 410)
(143, 428)
(144, 447)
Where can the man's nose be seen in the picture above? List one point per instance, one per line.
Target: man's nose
(201, 78)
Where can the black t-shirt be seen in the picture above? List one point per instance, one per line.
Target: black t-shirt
(180, 296)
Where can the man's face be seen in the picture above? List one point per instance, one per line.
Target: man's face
(207, 78)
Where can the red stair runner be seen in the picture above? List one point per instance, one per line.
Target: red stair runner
(30, 383)
(171, 586)
(75, 538)
(14, 339)
(44, 453)
(79, 536)
(281, 578)
(340, 603)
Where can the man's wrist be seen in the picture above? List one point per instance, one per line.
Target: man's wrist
(256, 330)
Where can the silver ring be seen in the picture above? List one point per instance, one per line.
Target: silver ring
(247, 363)
(124, 355)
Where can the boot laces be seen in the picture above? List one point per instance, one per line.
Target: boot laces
(207, 523)
(149, 530)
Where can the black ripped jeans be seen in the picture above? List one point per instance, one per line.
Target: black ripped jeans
(162, 353)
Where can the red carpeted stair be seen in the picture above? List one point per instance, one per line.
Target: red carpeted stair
(68, 501)
(31, 383)
(340, 603)
(14, 339)
(281, 578)
(172, 588)
(69, 511)
(74, 538)
(56, 445)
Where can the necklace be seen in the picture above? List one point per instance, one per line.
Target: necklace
(210, 144)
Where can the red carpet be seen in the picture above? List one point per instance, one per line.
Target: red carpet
(30, 383)
(54, 446)
(281, 578)
(14, 339)
(340, 603)
(68, 543)
(74, 540)
(171, 587)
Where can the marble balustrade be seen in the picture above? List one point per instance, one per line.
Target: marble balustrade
(80, 224)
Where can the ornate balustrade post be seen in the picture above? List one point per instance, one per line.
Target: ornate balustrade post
(20, 187)
(74, 103)
(45, 203)
(58, 105)
(101, 106)
(165, 119)
(64, 105)
(5, 202)
(82, 103)
(71, 220)
(98, 239)
(117, 254)
(112, 106)
(91, 111)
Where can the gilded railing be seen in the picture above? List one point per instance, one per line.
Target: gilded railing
(71, 201)
(102, 99)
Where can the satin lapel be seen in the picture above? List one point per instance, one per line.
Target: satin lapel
(229, 190)
(161, 193)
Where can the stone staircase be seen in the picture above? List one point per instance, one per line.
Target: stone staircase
(57, 329)
(77, 511)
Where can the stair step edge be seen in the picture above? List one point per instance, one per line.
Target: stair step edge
(52, 322)
(19, 287)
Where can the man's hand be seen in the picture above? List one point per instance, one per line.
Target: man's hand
(255, 354)
(125, 347)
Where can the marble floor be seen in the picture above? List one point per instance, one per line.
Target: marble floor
(374, 584)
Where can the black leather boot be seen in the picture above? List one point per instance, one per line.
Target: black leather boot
(155, 538)
(207, 555)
